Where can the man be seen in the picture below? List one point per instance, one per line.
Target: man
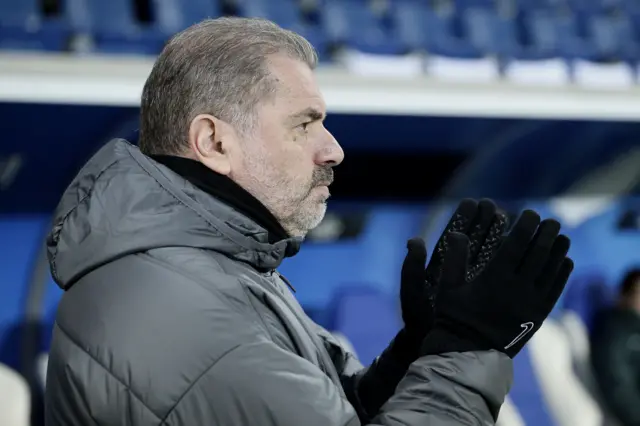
(615, 352)
(174, 313)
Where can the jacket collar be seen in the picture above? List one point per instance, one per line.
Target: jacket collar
(227, 191)
(123, 202)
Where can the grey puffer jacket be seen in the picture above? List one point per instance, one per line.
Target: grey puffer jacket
(174, 314)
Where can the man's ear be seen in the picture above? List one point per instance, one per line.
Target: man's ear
(206, 139)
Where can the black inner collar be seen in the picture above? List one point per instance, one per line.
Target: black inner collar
(227, 191)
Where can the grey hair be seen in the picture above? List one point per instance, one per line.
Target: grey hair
(217, 67)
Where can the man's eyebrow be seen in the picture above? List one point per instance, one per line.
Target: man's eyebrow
(310, 113)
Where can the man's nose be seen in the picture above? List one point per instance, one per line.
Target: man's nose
(330, 153)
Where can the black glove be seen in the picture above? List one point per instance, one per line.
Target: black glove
(484, 226)
(503, 306)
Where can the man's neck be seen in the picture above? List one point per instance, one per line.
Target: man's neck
(227, 191)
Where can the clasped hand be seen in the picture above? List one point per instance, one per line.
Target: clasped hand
(483, 289)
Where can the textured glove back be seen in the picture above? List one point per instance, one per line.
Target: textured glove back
(502, 306)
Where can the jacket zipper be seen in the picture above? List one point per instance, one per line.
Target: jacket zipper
(286, 281)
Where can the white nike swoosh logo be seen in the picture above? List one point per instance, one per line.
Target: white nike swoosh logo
(526, 328)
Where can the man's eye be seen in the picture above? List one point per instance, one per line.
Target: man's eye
(305, 125)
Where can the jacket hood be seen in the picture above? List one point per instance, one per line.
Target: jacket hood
(122, 202)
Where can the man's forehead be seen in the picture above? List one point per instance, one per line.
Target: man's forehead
(297, 86)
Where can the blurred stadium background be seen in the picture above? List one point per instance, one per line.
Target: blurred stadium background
(534, 103)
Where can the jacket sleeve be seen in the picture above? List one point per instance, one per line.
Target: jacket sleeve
(369, 388)
(615, 376)
(261, 383)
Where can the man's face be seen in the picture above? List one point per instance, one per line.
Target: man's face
(287, 160)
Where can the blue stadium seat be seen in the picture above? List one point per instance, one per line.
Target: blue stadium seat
(374, 257)
(369, 318)
(526, 392)
(411, 23)
(536, 30)
(450, 38)
(630, 6)
(613, 37)
(316, 36)
(587, 293)
(115, 28)
(286, 13)
(21, 240)
(509, 35)
(23, 27)
(574, 41)
(462, 5)
(546, 389)
(538, 5)
(613, 251)
(51, 298)
(593, 6)
(419, 27)
(607, 26)
(541, 36)
(480, 25)
(354, 24)
(124, 33)
(173, 16)
(530, 39)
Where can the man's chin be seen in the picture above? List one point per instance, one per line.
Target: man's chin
(314, 218)
(322, 190)
(308, 216)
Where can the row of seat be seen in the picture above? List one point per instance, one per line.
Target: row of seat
(520, 29)
(478, 30)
